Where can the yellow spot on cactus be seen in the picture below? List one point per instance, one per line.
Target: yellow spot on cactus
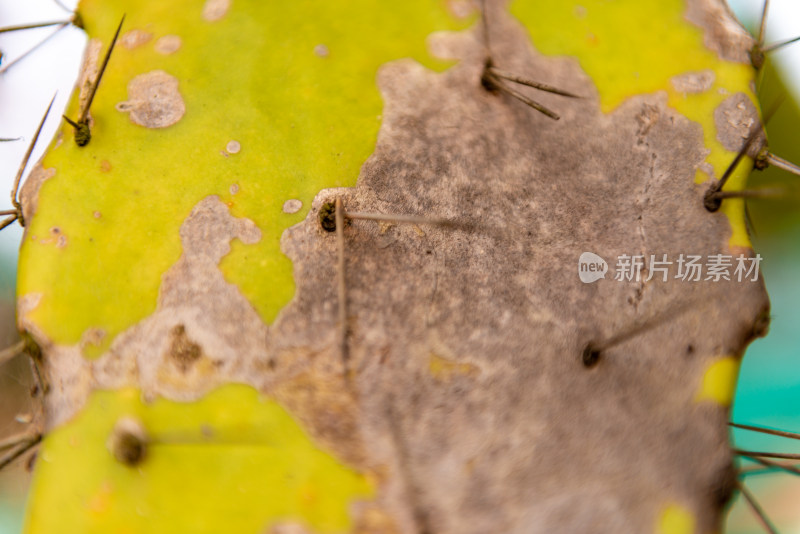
(305, 124)
(445, 369)
(630, 47)
(719, 381)
(99, 503)
(237, 461)
(675, 519)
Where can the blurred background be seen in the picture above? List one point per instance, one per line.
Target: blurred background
(768, 392)
(26, 88)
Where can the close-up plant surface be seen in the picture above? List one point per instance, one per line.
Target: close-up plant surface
(317, 268)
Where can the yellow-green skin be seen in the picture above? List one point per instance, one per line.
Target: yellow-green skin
(305, 122)
(207, 463)
(630, 47)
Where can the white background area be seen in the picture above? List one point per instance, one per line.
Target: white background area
(27, 87)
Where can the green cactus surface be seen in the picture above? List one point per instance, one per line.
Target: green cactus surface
(304, 121)
(207, 462)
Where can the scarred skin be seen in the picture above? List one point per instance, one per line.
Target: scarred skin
(458, 399)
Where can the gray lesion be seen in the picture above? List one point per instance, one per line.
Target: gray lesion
(204, 331)
(29, 192)
(694, 82)
(735, 118)
(721, 32)
(529, 440)
(154, 100)
(534, 441)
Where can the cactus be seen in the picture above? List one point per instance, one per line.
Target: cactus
(310, 267)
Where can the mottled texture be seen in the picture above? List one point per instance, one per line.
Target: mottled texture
(154, 100)
(292, 206)
(29, 192)
(135, 38)
(723, 34)
(89, 70)
(694, 82)
(735, 118)
(233, 147)
(465, 394)
(213, 10)
(169, 44)
(534, 441)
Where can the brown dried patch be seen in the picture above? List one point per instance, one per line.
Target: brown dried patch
(92, 336)
(233, 147)
(183, 351)
(506, 448)
(289, 527)
(448, 45)
(502, 292)
(89, 70)
(55, 237)
(735, 118)
(68, 378)
(292, 206)
(461, 9)
(327, 410)
(169, 44)
(321, 51)
(29, 192)
(198, 312)
(693, 82)
(154, 100)
(371, 519)
(135, 38)
(723, 33)
(214, 10)
(646, 118)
